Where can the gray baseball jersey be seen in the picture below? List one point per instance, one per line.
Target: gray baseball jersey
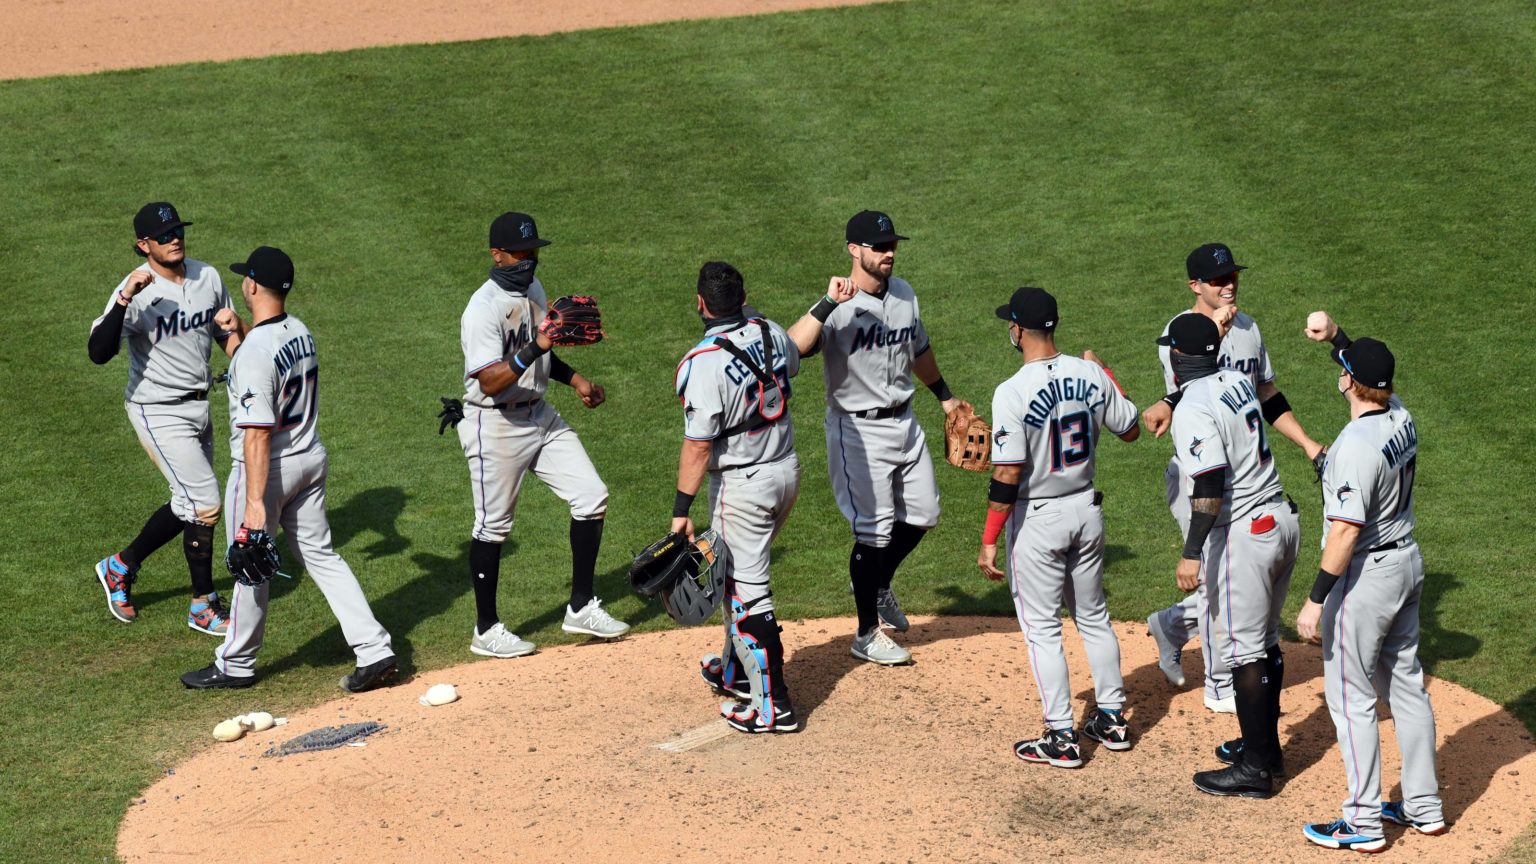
(274, 384)
(754, 474)
(1242, 350)
(1370, 621)
(507, 434)
(170, 333)
(1248, 558)
(869, 344)
(1048, 417)
(495, 325)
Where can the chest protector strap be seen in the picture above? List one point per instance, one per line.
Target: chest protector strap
(771, 403)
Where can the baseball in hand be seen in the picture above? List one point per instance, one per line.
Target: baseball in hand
(1320, 327)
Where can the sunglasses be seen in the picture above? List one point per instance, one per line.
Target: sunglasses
(888, 246)
(1223, 281)
(174, 234)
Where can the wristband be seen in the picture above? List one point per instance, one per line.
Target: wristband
(681, 505)
(996, 519)
(123, 299)
(1172, 399)
(1116, 381)
(940, 390)
(823, 309)
(1321, 586)
(529, 354)
(1340, 340)
(1002, 493)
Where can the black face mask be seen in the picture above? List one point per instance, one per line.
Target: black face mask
(711, 323)
(515, 277)
(1190, 367)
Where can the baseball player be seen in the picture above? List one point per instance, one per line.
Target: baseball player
(278, 478)
(869, 326)
(1213, 278)
(509, 430)
(170, 310)
(1046, 420)
(735, 388)
(1364, 604)
(1241, 542)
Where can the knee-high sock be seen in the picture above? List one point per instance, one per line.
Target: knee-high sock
(197, 543)
(904, 538)
(864, 572)
(484, 573)
(161, 527)
(1251, 693)
(1276, 671)
(586, 537)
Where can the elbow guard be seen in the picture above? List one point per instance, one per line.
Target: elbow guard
(1275, 407)
(1211, 484)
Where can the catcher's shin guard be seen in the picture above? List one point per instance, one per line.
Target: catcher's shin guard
(756, 645)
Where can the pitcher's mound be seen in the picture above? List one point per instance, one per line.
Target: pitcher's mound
(559, 757)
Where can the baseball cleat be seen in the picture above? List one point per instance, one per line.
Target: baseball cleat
(876, 647)
(1342, 835)
(1240, 781)
(1231, 752)
(211, 678)
(745, 718)
(1058, 747)
(890, 610)
(500, 642)
(593, 620)
(712, 670)
(1109, 728)
(209, 615)
(1393, 811)
(370, 676)
(117, 580)
(1221, 706)
(1169, 656)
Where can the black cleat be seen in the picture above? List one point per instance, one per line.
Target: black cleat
(1056, 747)
(210, 678)
(370, 676)
(1109, 728)
(1238, 780)
(1231, 753)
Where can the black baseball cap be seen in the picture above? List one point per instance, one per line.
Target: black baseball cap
(515, 232)
(1192, 333)
(1211, 261)
(1030, 308)
(269, 266)
(154, 219)
(871, 227)
(1368, 362)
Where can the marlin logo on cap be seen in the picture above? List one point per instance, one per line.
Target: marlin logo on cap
(167, 214)
(1221, 255)
(526, 229)
(883, 222)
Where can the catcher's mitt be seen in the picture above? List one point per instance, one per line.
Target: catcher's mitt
(654, 569)
(452, 414)
(967, 441)
(573, 321)
(252, 559)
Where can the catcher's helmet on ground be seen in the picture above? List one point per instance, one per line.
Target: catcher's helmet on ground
(688, 578)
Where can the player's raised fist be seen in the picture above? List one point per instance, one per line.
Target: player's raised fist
(137, 281)
(226, 319)
(841, 289)
(1157, 417)
(1224, 317)
(1321, 327)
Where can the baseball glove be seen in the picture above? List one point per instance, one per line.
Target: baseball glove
(573, 321)
(252, 559)
(452, 414)
(1320, 462)
(653, 570)
(967, 441)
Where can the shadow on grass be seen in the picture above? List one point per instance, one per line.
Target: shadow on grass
(375, 510)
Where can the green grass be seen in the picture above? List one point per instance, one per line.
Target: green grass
(1374, 159)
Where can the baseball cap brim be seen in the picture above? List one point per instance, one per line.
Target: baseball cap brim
(883, 238)
(525, 245)
(1005, 312)
(169, 226)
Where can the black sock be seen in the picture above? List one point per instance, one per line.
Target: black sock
(1251, 693)
(1276, 671)
(904, 538)
(159, 530)
(197, 543)
(586, 537)
(764, 628)
(864, 571)
(484, 572)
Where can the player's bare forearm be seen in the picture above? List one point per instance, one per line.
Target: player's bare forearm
(257, 450)
(691, 465)
(496, 377)
(1340, 546)
(806, 334)
(926, 367)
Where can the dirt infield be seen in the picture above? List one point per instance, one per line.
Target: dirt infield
(65, 37)
(555, 757)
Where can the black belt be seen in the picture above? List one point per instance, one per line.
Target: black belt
(1388, 547)
(194, 396)
(513, 406)
(882, 413)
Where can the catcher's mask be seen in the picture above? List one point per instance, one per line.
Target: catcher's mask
(688, 578)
